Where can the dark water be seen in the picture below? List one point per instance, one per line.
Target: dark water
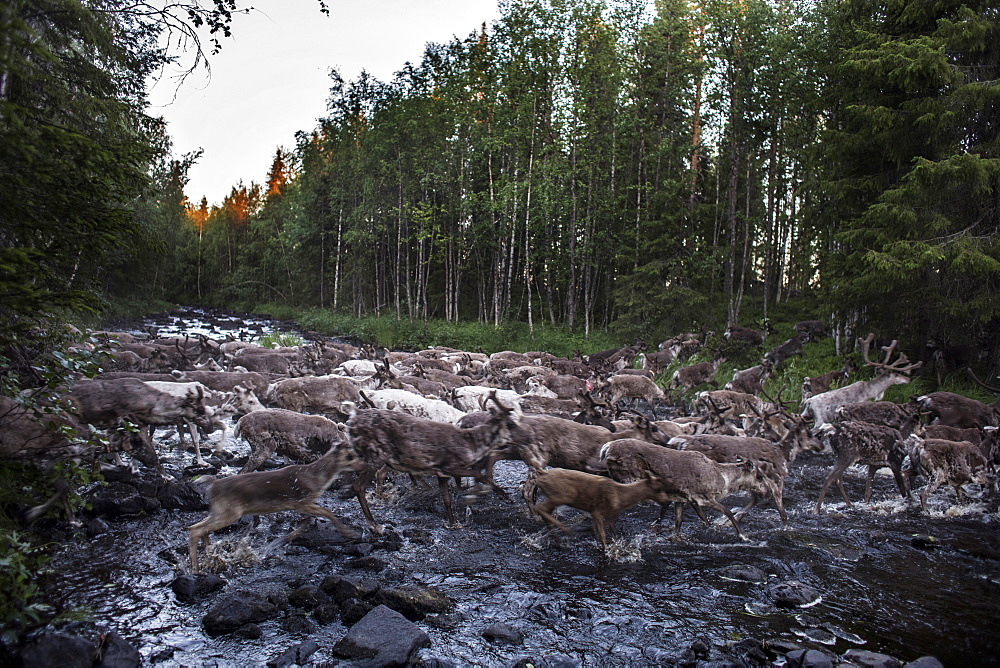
(882, 588)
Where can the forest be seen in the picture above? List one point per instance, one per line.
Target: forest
(594, 166)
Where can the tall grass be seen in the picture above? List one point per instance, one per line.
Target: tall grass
(388, 332)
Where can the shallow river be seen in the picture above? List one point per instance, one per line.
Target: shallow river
(883, 584)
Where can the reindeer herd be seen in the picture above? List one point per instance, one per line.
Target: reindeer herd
(449, 414)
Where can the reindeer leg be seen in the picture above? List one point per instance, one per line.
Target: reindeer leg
(835, 475)
(361, 481)
(718, 506)
(544, 510)
(868, 481)
(598, 518)
(259, 453)
(678, 513)
(193, 429)
(446, 498)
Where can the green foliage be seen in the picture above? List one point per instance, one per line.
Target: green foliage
(395, 334)
(279, 340)
(20, 604)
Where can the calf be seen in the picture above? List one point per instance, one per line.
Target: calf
(819, 384)
(419, 446)
(295, 487)
(293, 435)
(681, 476)
(871, 444)
(602, 497)
(953, 462)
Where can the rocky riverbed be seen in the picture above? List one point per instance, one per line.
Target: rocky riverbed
(875, 584)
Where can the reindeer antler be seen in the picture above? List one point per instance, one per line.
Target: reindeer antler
(901, 365)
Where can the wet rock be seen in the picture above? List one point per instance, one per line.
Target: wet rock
(925, 542)
(436, 662)
(326, 613)
(369, 563)
(925, 662)
(445, 621)
(308, 597)
(165, 654)
(183, 496)
(867, 659)
(342, 588)
(58, 649)
(819, 635)
(744, 574)
(357, 549)
(188, 588)
(235, 610)
(808, 658)
(116, 652)
(419, 536)
(752, 650)
(793, 594)
(295, 656)
(279, 598)
(322, 537)
(354, 610)
(503, 633)
(778, 646)
(384, 636)
(119, 499)
(414, 603)
(97, 526)
(298, 624)
(558, 661)
(390, 541)
(249, 632)
(700, 649)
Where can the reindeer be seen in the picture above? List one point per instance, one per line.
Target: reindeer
(616, 388)
(776, 356)
(872, 444)
(691, 376)
(680, 476)
(295, 435)
(744, 336)
(415, 445)
(295, 487)
(955, 410)
(953, 462)
(750, 381)
(820, 407)
(602, 497)
(773, 460)
(822, 383)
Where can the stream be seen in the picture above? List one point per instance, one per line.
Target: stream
(888, 578)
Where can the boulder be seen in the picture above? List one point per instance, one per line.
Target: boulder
(867, 659)
(58, 649)
(504, 633)
(414, 603)
(808, 658)
(792, 594)
(308, 597)
(343, 588)
(297, 655)
(235, 610)
(116, 652)
(384, 637)
(188, 588)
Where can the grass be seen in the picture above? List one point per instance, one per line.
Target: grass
(388, 332)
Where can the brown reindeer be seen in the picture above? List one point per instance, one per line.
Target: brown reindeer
(295, 487)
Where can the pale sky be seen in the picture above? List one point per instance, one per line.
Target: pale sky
(271, 78)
